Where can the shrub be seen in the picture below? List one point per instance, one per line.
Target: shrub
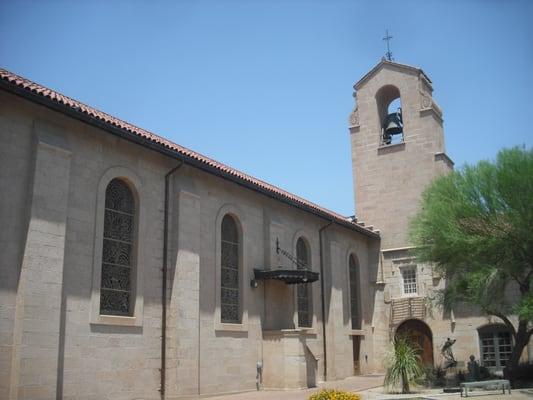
(523, 375)
(403, 365)
(332, 394)
(434, 376)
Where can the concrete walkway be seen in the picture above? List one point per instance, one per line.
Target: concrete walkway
(370, 388)
(352, 384)
(437, 394)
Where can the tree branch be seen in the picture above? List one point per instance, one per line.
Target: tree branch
(527, 279)
(504, 318)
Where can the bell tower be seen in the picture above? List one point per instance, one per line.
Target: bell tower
(397, 145)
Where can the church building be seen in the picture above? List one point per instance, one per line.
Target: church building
(134, 268)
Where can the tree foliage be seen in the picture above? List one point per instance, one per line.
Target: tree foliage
(476, 227)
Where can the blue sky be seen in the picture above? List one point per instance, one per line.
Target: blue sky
(266, 86)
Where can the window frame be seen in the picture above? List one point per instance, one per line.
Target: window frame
(311, 240)
(237, 242)
(137, 296)
(408, 269)
(359, 325)
(238, 216)
(131, 241)
(308, 286)
(493, 331)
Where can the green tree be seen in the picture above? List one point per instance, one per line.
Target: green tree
(476, 226)
(403, 365)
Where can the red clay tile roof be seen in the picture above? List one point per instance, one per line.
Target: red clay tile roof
(62, 103)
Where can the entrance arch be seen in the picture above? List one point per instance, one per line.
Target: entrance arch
(418, 333)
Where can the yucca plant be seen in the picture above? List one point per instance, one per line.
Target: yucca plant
(403, 364)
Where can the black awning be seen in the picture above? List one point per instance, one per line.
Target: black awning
(289, 276)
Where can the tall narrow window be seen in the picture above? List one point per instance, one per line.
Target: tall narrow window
(117, 253)
(354, 293)
(409, 280)
(305, 312)
(230, 294)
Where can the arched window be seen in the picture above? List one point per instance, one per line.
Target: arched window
(495, 345)
(118, 247)
(354, 292)
(390, 115)
(230, 310)
(305, 310)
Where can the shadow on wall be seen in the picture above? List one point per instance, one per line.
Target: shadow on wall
(463, 310)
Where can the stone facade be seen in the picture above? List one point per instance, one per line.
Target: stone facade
(388, 182)
(54, 342)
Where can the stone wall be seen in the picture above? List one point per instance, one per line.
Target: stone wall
(52, 340)
(388, 182)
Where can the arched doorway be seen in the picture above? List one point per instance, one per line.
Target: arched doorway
(418, 333)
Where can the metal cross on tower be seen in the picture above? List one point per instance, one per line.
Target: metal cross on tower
(387, 38)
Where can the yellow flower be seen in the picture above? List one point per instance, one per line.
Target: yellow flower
(332, 394)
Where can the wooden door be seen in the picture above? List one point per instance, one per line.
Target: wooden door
(418, 333)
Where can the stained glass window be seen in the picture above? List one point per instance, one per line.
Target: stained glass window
(354, 293)
(117, 252)
(230, 282)
(303, 290)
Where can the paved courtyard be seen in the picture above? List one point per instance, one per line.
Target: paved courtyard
(369, 387)
(436, 394)
(352, 384)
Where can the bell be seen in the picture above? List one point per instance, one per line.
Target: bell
(393, 123)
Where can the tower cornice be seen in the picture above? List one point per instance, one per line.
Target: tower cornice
(386, 63)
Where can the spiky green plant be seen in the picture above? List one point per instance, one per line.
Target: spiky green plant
(403, 363)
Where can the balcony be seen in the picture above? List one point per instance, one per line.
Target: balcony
(406, 308)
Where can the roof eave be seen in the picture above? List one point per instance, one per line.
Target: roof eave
(124, 134)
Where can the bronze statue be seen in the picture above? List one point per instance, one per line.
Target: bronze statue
(447, 353)
(473, 369)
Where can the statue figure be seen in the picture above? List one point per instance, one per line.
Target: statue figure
(473, 369)
(447, 353)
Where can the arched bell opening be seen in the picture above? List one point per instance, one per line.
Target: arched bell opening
(389, 105)
(419, 334)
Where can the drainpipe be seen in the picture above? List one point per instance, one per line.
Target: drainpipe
(164, 282)
(322, 295)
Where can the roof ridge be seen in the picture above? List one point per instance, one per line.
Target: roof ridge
(384, 62)
(75, 105)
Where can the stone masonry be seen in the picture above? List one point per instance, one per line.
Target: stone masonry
(54, 344)
(55, 165)
(388, 183)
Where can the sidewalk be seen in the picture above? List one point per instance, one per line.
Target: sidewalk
(369, 387)
(352, 384)
(437, 394)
